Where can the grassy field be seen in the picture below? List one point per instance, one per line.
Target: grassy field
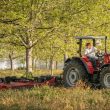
(51, 98)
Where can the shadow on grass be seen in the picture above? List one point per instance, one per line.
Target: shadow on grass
(18, 107)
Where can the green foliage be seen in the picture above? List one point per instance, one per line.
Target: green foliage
(49, 26)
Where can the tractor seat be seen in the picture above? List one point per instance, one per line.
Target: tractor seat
(87, 59)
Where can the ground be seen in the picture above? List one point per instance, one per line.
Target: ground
(54, 98)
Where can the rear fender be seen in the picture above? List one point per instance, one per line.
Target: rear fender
(79, 60)
(105, 65)
(68, 60)
(82, 62)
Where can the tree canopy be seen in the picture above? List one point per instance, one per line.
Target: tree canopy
(46, 28)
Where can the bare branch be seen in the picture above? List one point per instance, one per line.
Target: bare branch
(16, 43)
(9, 21)
(36, 41)
(2, 35)
(103, 24)
(44, 28)
(78, 12)
(17, 57)
(22, 40)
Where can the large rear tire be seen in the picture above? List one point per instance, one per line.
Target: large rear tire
(73, 72)
(105, 77)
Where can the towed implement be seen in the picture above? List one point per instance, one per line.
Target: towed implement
(19, 83)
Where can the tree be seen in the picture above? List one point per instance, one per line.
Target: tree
(29, 22)
(28, 28)
(10, 53)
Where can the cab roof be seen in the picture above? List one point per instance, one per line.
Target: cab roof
(91, 37)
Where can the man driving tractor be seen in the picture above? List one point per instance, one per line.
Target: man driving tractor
(91, 51)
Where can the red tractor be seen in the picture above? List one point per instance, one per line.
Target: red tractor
(81, 68)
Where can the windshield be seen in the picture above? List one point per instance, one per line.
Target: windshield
(99, 45)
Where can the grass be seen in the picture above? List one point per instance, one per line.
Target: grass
(54, 98)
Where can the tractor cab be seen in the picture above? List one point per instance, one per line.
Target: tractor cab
(101, 55)
(95, 41)
(82, 67)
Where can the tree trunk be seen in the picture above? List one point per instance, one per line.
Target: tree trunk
(56, 65)
(28, 60)
(51, 66)
(33, 63)
(11, 62)
(40, 67)
(46, 64)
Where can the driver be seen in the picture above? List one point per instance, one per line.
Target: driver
(90, 51)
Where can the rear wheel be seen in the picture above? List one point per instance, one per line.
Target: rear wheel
(105, 77)
(73, 72)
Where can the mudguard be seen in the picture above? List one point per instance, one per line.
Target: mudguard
(85, 62)
(105, 65)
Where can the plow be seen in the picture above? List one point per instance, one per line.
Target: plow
(75, 69)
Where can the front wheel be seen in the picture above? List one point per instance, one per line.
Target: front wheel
(105, 77)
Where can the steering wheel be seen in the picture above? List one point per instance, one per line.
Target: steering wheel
(100, 56)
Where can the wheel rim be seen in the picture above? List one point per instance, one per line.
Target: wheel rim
(72, 76)
(107, 80)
